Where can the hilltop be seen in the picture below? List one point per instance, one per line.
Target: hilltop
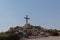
(28, 31)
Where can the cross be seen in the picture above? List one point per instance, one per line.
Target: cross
(26, 19)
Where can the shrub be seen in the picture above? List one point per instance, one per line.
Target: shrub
(55, 34)
(9, 37)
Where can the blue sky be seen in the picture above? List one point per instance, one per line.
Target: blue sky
(45, 13)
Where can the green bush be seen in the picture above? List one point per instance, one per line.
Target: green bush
(9, 37)
(55, 34)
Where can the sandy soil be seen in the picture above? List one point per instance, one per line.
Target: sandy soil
(47, 38)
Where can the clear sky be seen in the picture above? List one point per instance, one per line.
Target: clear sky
(45, 13)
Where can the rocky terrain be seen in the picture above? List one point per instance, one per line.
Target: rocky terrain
(29, 32)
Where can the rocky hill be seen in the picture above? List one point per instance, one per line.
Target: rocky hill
(29, 31)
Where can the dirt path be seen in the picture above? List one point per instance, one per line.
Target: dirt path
(47, 38)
